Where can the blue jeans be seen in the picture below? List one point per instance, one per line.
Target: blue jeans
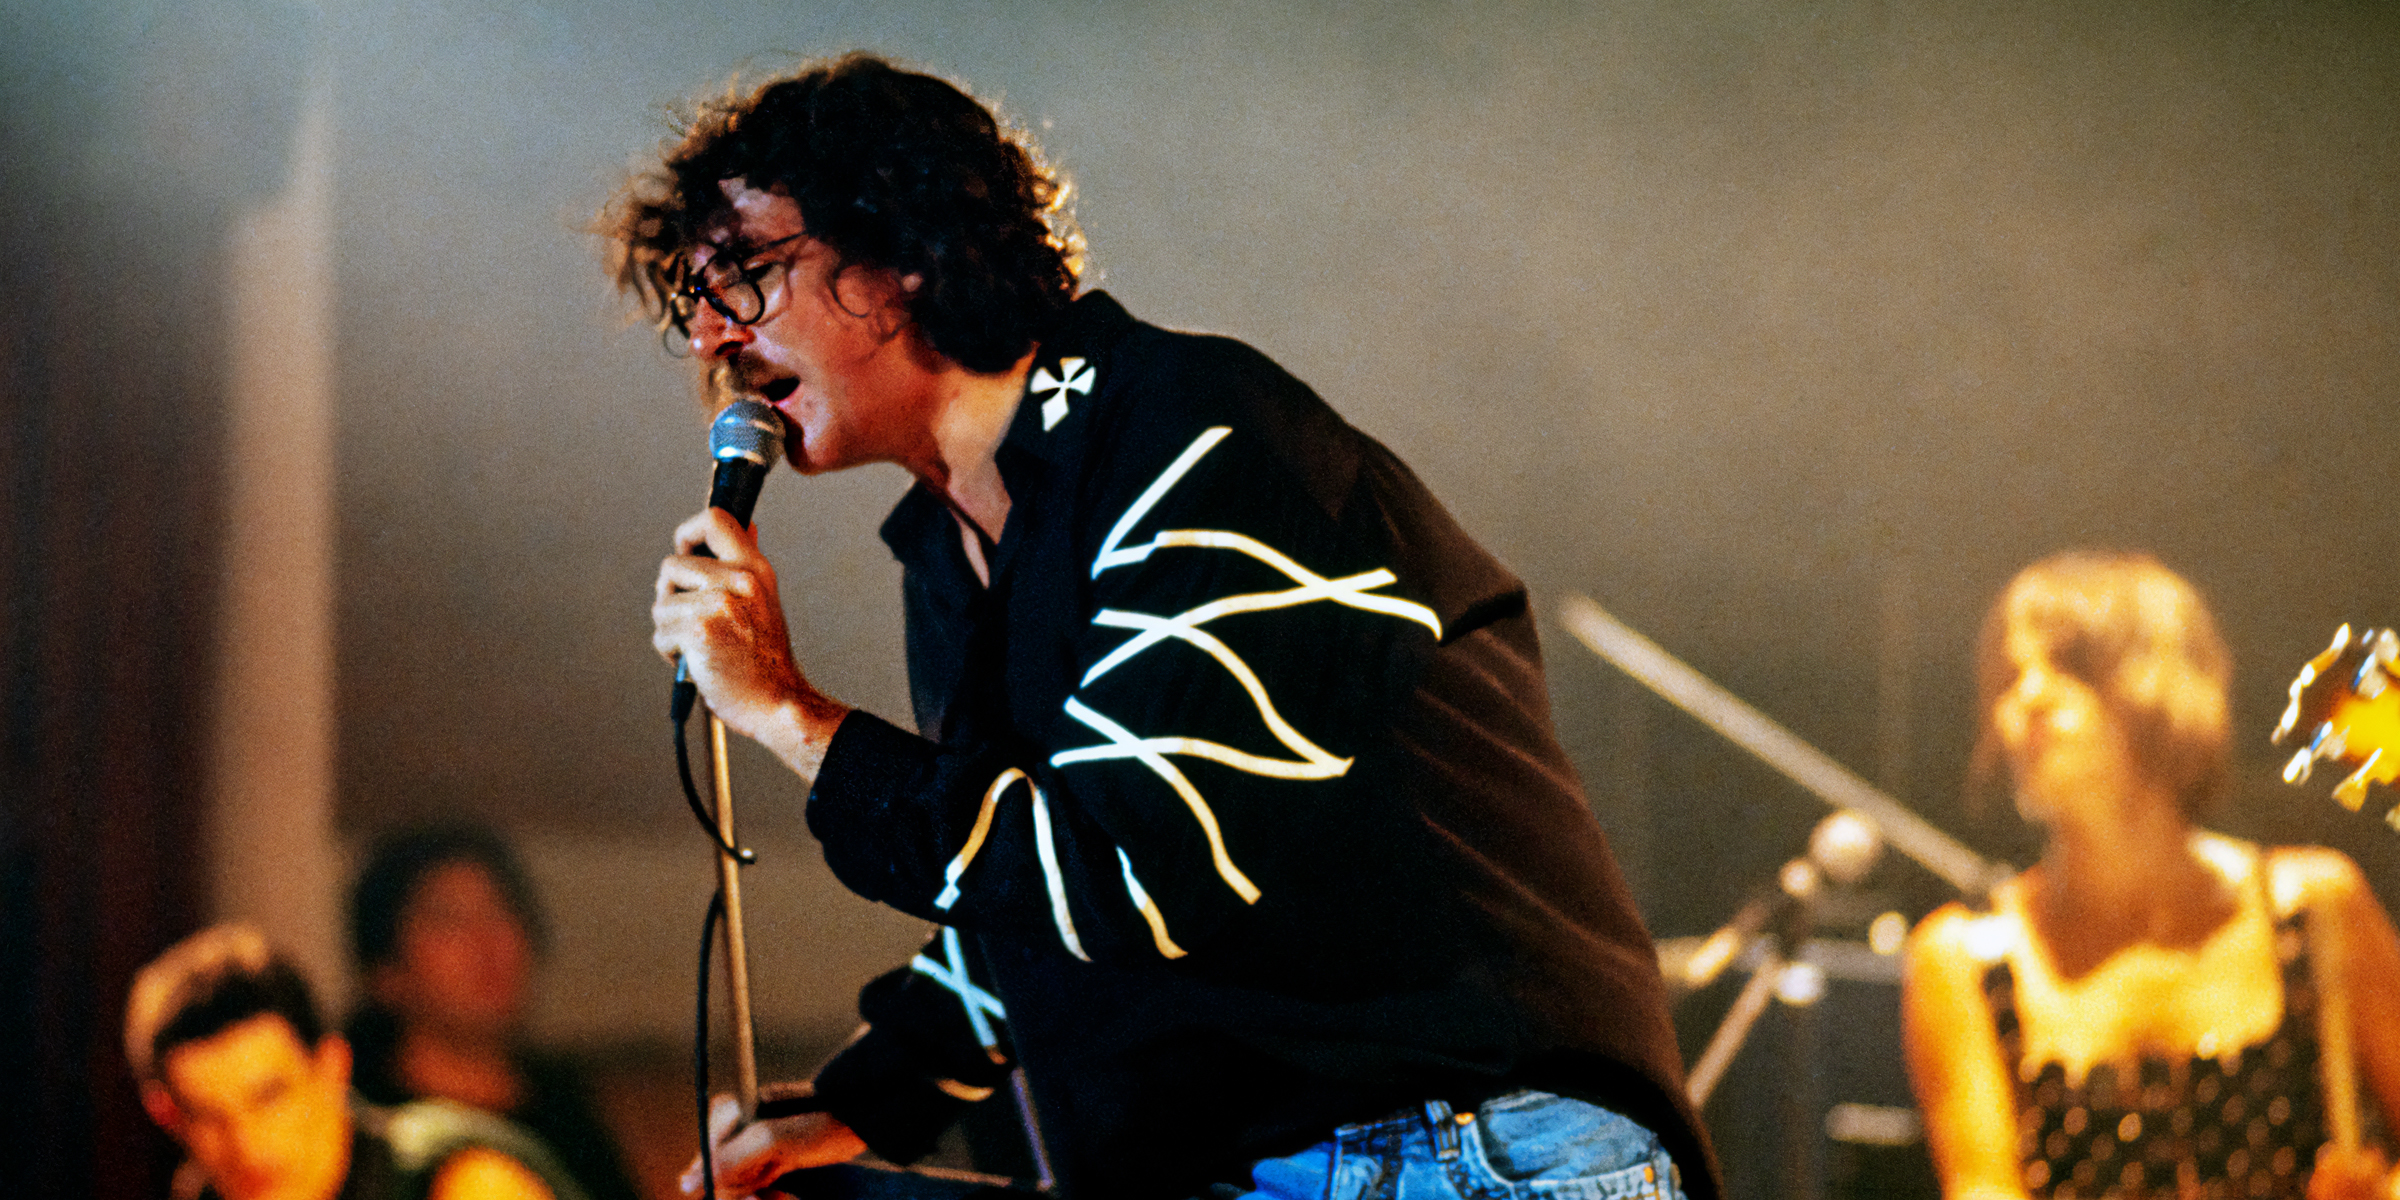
(1521, 1145)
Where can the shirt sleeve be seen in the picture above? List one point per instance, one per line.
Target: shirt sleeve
(936, 1040)
(1234, 650)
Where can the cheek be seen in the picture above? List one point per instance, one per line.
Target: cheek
(2008, 721)
(208, 1142)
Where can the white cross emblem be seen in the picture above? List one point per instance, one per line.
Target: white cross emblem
(980, 1004)
(1079, 379)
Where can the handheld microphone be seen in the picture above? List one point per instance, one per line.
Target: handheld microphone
(744, 440)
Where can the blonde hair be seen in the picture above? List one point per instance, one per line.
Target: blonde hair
(2140, 636)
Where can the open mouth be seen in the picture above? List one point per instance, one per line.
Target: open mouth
(780, 390)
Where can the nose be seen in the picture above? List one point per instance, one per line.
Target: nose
(715, 336)
(2016, 706)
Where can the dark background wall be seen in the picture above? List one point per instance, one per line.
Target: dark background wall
(1787, 332)
(130, 138)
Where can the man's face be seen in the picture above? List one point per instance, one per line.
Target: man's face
(264, 1116)
(834, 352)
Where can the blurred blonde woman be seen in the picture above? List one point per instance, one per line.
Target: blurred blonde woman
(2138, 1014)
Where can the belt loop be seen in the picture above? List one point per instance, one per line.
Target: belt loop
(1444, 1127)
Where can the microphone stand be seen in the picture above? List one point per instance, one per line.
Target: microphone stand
(737, 954)
(1779, 971)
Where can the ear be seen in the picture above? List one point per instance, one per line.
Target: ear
(332, 1061)
(160, 1104)
(877, 295)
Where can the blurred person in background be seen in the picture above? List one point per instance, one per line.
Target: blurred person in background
(2139, 1012)
(234, 1063)
(447, 934)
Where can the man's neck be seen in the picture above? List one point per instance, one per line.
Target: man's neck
(969, 424)
(476, 1071)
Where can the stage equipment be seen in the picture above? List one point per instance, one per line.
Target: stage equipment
(1787, 965)
(744, 440)
(1780, 748)
(1841, 849)
(863, 1181)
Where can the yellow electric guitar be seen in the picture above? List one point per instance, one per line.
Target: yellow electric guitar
(2346, 704)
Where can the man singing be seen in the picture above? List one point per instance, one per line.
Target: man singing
(1233, 790)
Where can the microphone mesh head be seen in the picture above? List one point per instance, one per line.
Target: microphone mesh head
(748, 430)
(1845, 846)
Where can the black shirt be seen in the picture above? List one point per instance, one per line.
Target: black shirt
(556, 1105)
(1239, 778)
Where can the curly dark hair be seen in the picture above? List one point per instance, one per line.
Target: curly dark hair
(891, 169)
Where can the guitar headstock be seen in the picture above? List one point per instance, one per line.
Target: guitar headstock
(2347, 702)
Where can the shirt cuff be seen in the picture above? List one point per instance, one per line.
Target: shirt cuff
(866, 809)
(878, 1089)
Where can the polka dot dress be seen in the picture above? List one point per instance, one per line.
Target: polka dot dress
(2243, 1125)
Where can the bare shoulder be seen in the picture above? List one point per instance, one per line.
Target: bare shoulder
(2301, 877)
(480, 1174)
(1952, 942)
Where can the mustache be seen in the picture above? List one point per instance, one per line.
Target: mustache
(741, 375)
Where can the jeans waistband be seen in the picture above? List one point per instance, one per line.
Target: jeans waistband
(1438, 1122)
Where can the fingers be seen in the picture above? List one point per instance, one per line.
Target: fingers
(2352, 1174)
(716, 529)
(683, 573)
(737, 1154)
(692, 592)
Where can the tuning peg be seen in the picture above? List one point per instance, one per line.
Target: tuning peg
(2371, 677)
(2352, 792)
(2296, 771)
(2323, 743)
(2308, 675)
(2386, 647)
(2291, 711)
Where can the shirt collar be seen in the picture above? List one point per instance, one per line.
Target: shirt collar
(1070, 367)
(1070, 371)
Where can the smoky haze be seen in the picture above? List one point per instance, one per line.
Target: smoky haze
(1787, 332)
(1759, 324)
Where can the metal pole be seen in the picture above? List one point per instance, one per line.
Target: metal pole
(1735, 1029)
(737, 955)
(1783, 750)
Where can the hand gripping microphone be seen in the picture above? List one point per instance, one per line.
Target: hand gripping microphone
(745, 440)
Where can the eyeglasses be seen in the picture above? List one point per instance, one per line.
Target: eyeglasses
(727, 283)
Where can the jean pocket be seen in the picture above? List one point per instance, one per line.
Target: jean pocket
(1540, 1144)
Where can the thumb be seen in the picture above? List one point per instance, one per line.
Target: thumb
(724, 1112)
